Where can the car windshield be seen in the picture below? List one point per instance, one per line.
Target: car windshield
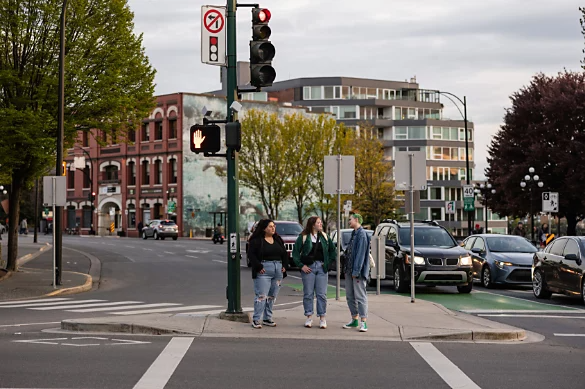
(347, 236)
(510, 244)
(288, 228)
(427, 236)
(168, 223)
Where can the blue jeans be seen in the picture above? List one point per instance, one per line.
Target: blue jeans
(266, 287)
(355, 294)
(315, 283)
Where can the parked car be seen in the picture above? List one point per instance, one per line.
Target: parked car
(500, 259)
(560, 268)
(438, 259)
(288, 231)
(160, 229)
(345, 238)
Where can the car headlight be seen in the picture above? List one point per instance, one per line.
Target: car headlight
(417, 260)
(502, 264)
(465, 261)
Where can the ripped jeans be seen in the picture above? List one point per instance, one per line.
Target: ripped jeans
(266, 287)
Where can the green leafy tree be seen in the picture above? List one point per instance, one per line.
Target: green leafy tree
(109, 84)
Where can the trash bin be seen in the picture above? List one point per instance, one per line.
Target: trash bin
(208, 232)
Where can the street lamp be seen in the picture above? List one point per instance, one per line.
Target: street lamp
(485, 190)
(464, 114)
(531, 180)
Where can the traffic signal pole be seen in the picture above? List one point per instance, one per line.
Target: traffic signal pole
(234, 309)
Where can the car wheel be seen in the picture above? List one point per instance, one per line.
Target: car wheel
(155, 236)
(399, 285)
(539, 286)
(174, 238)
(486, 277)
(465, 288)
(144, 235)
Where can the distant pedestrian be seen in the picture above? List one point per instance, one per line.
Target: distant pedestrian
(313, 252)
(519, 230)
(478, 229)
(140, 227)
(542, 234)
(357, 270)
(269, 259)
(23, 227)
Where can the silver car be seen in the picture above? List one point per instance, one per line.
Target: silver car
(161, 229)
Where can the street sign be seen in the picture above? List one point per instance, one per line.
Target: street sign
(450, 207)
(60, 199)
(402, 170)
(550, 202)
(347, 205)
(205, 139)
(468, 191)
(213, 35)
(233, 242)
(344, 166)
(468, 204)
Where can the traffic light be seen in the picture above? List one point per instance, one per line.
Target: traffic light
(91, 196)
(63, 168)
(233, 135)
(261, 50)
(205, 139)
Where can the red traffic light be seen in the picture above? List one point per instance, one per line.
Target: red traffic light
(260, 15)
(93, 193)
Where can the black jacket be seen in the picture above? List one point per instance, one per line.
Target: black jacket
(255, 254)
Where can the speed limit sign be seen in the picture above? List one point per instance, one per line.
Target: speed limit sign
(468, 191)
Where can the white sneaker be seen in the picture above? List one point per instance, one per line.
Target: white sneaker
(309, 323)
(323, 323)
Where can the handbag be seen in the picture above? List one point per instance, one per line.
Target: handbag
(372, 262)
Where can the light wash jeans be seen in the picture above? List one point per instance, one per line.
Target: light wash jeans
(355, 294)
(266, 287)
(315, 283)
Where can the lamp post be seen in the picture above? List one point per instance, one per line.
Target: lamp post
(485, 190)
(531, 180)
(467, 172)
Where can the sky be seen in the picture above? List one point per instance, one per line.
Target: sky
(482, 49)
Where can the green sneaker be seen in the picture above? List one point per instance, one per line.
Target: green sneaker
(354, 323)
(363, 327)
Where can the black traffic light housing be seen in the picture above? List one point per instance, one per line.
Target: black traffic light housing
(91, 196)
(261, 50)
(233, 135)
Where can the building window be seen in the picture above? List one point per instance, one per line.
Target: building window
(400, 133)
(132, 135)
(71, 179)
(158, 130)
(436, 194)
(131, 216)
(85, 138)
(86, 177)
(436, 214)
(348, 112)
(71, 217)
(131, 173)
(424, 194)
(172, 171)
(110, 173)
(145, 214)
(157, 211)
(86, 217)
(329, 92)
(157, 173)
(145, 173)
(145, 132)
(173, 128)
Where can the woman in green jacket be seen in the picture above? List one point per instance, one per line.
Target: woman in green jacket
(313, 252)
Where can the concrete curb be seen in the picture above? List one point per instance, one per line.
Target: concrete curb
(5, 274)
(29, 257)
(75, 289)
(480, 335)
(123, 328)
(95, 267)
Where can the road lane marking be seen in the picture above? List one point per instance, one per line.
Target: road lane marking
(162, 369)
(298, 278)
(198, 251)
(163, 310)
(49, 304)
(33, 301)
(523, 299)
(121, 308)
(130, 247)
(574, 335)
(535, 316)
(192, 256)
(147, 249)
(87, 305)
(296, 302)
(29, 324)
(217, 260)
(168, 252)
(446, 369)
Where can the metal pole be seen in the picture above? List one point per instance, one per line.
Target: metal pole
(339, 237)
(467, 175)
(412, 281)
(486, 212)
(54, 189)
(531, 217)
(234, 293)
(36, 220)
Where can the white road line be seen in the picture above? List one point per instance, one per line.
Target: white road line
(162, 369)
(29, 324)
(121, 308)
(493, 311)
(168, 252)
(523, 299)
(147, 249)
(298, 278)
(446, 369)
(130, 247)
(217, 260)
(162, 310)
(192, 256)
(50, 304)
(33, 301)
(87, 305)
(296, 302)
(535, 316)
(574, 335)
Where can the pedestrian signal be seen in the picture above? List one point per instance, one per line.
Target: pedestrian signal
(205, 138)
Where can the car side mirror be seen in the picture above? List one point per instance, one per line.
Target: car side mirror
(476, 250)
(571, 257)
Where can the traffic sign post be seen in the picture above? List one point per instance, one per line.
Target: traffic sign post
(550, 202)
(213, 35)
(468, 199)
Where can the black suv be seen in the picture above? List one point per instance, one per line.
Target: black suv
(438, 259)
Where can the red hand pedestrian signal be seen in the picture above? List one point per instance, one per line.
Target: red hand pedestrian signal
(205, 139)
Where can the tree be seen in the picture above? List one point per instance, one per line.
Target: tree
(109, 84)
(374, 194)
(544, 129)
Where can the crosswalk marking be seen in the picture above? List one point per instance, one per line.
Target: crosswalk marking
(86, 305)
(32, 301)
(163, 310)
(121, 308)
(49, 304)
